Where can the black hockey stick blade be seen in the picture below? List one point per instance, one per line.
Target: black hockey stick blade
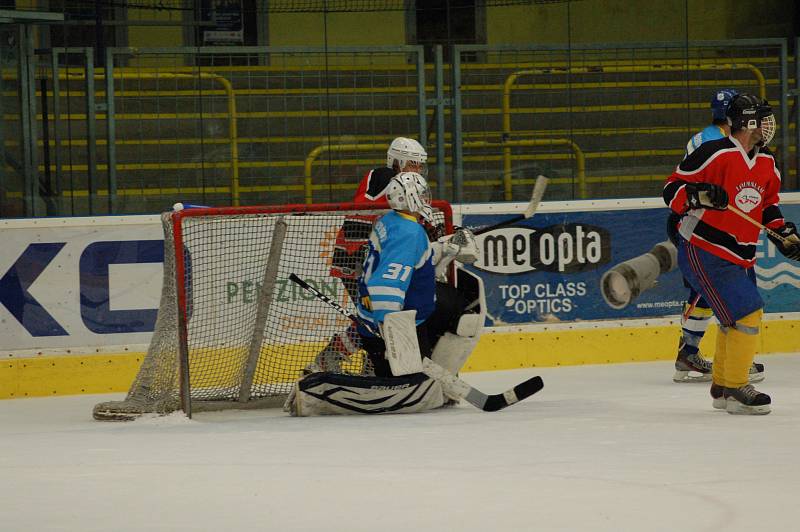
(516, 394)
(453, 385)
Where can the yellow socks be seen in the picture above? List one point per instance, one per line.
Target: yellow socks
(740, 349)
(718, 368)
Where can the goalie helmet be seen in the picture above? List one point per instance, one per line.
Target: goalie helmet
(748, 111)
(402, 151)
(720, 102)
(409, 191)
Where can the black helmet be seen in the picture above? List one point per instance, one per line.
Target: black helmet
(748, 111)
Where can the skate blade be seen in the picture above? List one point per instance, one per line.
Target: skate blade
(720, 403)
(738, 409)
(690, 376)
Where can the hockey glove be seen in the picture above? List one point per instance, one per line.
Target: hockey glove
(790, 245)
(706, 196)
(460, 246)
(468, 251)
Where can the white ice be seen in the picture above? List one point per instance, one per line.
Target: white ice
(616, 447)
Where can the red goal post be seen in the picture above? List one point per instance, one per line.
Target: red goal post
(231, 331)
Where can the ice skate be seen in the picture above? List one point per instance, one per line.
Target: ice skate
(691, 367)
(328, 361)
(747, 400)
(756, 373)
(718, 397)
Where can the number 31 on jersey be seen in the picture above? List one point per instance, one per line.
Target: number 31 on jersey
(396, 270)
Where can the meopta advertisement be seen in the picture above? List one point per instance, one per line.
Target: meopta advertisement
(604, 260)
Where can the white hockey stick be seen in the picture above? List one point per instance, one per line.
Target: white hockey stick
(536, 196)
(487, 403)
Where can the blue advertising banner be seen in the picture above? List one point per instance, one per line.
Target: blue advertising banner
(549, 268)
(779, 278)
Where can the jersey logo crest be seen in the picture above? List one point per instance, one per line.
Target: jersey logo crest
(747, 199)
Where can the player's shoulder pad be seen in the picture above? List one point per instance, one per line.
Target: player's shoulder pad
(382, 172)
(704, 152)
(379, 179)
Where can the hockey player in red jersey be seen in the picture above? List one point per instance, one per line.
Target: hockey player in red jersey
(690, 364)
(717, 248)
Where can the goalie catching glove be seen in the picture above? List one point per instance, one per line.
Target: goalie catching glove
(790, 245)
(460, 246)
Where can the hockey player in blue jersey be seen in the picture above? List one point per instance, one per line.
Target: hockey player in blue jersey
(690, 365)
(399, 272)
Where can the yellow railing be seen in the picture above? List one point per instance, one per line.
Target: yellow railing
(510, 83)
(232, 120)
(512, 78)
(580, 160)
(308, 186)
(231, 113)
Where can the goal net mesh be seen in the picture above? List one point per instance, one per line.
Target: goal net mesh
(250, 332)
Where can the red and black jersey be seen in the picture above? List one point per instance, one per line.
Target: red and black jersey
(373, 186)
(351, 240)
(752, 182)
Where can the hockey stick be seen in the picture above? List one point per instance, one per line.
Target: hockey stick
(536, 196)
(769, 231)
(486, 402)
(691, 307)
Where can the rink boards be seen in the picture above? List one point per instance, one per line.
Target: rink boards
(79, 296)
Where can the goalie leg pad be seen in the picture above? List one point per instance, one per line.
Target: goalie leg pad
(399, 332)
(334, 394)
(453, 350)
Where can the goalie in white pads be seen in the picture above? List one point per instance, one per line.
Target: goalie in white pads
(416, 317)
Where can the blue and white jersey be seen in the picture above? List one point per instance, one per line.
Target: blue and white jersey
(398, 272)
(712, 132)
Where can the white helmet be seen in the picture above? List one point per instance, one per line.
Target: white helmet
(409, 191)
(402, 151)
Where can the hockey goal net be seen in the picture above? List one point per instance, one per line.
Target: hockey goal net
(232, 331)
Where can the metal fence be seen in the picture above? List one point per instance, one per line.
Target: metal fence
(618, 117)
(290, 125)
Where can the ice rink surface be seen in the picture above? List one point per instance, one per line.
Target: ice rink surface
(616, 447)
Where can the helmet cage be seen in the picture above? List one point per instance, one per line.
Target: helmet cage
(750, 112)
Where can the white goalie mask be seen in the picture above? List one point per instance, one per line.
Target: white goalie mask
(403, 151)
(409, 192)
